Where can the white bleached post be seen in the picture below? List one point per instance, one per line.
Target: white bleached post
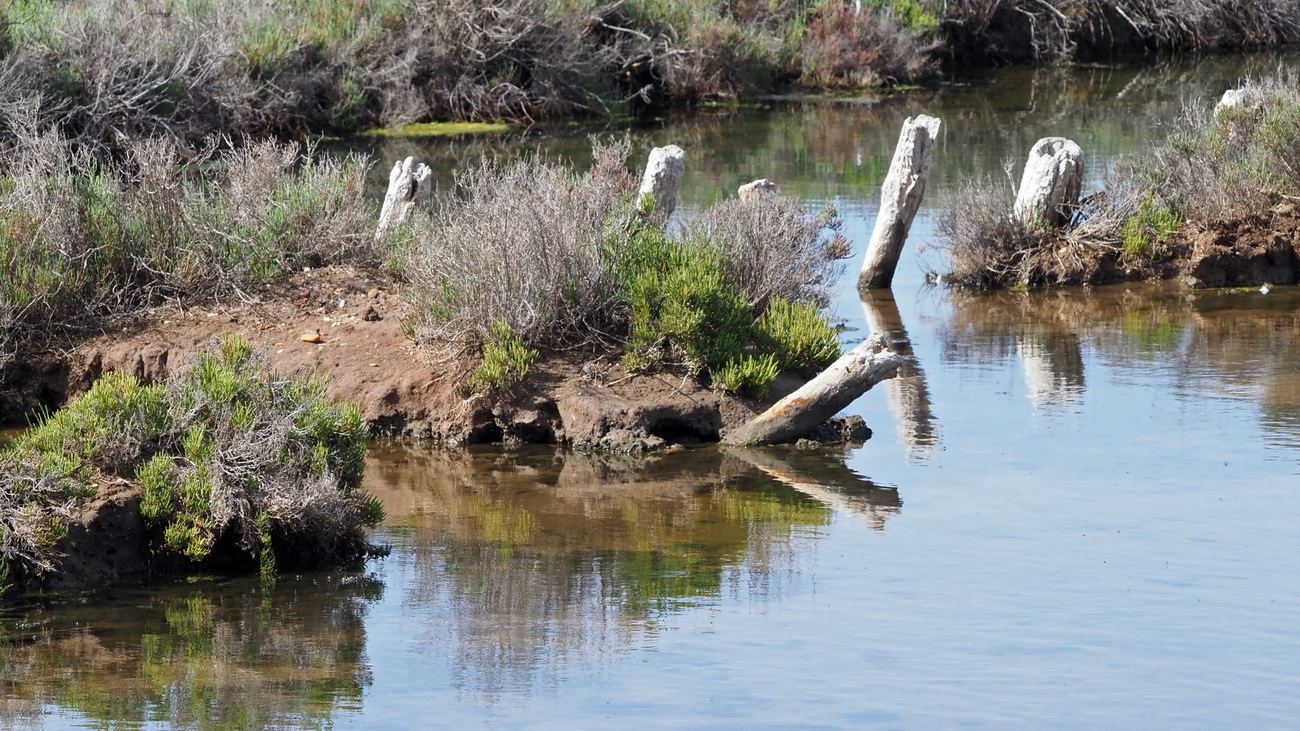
(1049, 189)
(662, 179)
(762, 186)
(409, 183)
(900, 196)
(1243, 98)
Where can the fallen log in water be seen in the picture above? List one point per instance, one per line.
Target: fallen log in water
(900, 196)
(821, 398)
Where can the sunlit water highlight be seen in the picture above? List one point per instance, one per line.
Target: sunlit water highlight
(1079, 508)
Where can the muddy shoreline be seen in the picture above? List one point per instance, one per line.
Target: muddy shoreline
(578, 399)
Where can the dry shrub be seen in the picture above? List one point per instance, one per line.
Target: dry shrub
(1212, 168)
(555, 256)
(986, 246)
(844, 48)
(81, 239)
(1026, 31)
(772, 248)
(525, 243)
(1236, 162)
(225, 451)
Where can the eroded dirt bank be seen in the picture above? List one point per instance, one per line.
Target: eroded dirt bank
(575, 399)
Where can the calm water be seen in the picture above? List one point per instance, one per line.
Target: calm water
(1080, 508)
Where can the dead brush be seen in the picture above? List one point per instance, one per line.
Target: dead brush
(772, 248)
(526, 243)
(988, 247)
(82, 239)
(847, 49)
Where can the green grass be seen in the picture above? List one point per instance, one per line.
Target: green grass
(441, 129)
(506, 360)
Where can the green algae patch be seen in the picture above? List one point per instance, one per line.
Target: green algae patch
(442, 129)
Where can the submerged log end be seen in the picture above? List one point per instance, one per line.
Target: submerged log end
(821, 398)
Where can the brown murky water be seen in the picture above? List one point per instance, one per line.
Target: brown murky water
(1079, 508)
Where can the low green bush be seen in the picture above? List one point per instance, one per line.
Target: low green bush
(749, 375)
(681, 306)
(798, 335)
(225, 452)
(506, 360)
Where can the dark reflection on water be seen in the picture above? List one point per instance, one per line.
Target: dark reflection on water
(821, 149)
(208, 655)
(543, 558)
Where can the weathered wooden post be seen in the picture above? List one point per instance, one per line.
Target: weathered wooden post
(821, 398)
(662, 179)
(1049, 189)
(1246, 98)
(762, 186)
(900, 196)
(409, 183)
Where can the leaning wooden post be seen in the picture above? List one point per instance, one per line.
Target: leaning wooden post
(821, 398)
(663, 176)
(409, 183)
(1049, 189)
(900, 196)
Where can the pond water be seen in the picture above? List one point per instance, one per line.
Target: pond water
(1079, 508)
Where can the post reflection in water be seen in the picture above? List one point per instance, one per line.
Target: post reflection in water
(211, 655)
(533, 564)
(1233, 344)
(907, 393)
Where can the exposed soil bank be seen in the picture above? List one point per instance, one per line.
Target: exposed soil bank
(575, 399)
(1247, 251)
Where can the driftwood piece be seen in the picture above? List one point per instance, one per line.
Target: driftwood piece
(821, 398)
(662, 179)
(409, 183)
(900, 196)
(1049, 188)
(762, 186)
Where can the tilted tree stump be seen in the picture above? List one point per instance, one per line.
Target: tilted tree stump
(409, 183)
(662, 179)
(1049, 189)
(821, 398)
(900, 196)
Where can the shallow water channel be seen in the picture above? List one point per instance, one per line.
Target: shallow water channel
(1079, 508)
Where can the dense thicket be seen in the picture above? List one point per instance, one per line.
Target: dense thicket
(104, 71)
